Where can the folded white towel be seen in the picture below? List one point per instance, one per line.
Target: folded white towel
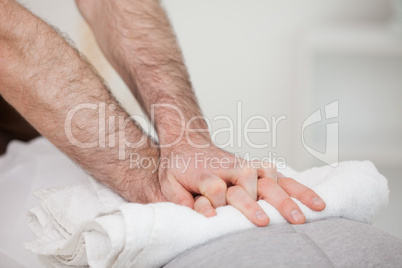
(87, 224)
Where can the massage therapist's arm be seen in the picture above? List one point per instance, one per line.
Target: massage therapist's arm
(44, 78)
(138, 40)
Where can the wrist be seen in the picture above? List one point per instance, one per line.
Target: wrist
(189, 143)
(177, 120)
(184, 133)
(140, 181)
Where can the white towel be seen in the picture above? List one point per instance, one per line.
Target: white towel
(87, 224)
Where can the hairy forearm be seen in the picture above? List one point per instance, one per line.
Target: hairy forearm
(141, 45)
(47, 81)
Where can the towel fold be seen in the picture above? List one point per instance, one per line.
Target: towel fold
(86, 224)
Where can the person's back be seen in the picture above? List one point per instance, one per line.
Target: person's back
(335, 242)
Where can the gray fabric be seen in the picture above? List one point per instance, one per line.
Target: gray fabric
(326, 243)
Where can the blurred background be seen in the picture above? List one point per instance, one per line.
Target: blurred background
(286, 58)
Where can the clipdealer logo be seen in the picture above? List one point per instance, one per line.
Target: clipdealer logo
(331, 154)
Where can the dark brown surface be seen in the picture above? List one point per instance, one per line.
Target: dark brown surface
(13, 126)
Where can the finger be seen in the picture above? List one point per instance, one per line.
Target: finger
(176, 193)
(249, 182)
(203, 206)
(271, 192)
(267, 170)
(245, 177)
(302, 193)
(240, 199)
(213, 188)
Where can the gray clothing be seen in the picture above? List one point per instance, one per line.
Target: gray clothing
(326, 243)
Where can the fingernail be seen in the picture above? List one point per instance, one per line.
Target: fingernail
(296, 216)
(317, 201)
(261, 216)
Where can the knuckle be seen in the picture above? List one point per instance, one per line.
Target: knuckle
(307, 194)
(249, 207)
(268, 166)
(215, 187)
(269, 169)
(250, 172)
(204, 175)
(264, 183)
(232, 192)
(287, 202)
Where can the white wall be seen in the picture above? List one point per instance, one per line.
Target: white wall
(246, 50)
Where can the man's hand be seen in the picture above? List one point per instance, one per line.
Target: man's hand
(220, 178)
(276, 193)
